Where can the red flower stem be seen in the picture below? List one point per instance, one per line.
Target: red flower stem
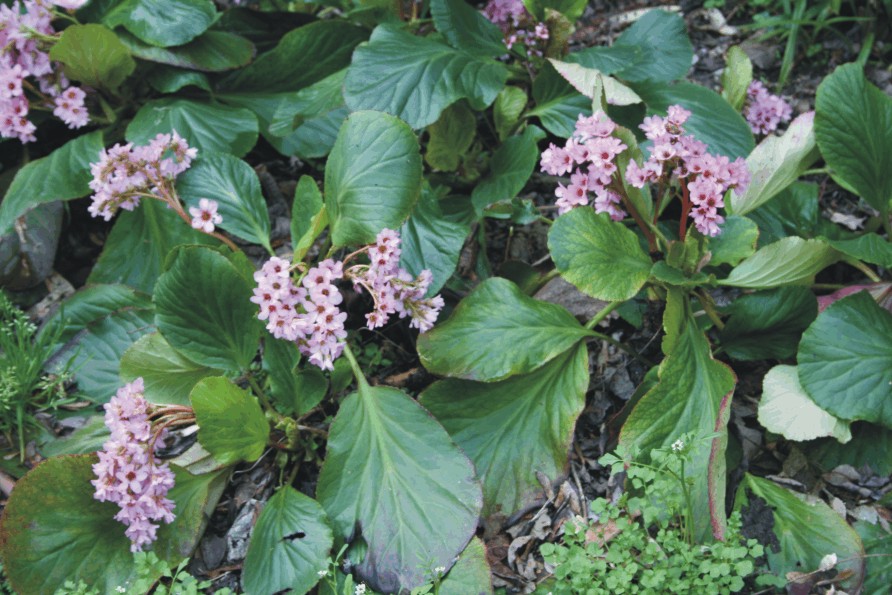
(685, 211)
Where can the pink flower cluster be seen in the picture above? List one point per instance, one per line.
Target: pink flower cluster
(128, 473)
(518, 25)
(764, 111)
(394, 290)
(704, 178)
(24, 53)
(125, 173)
(592, 147)
(307, 315)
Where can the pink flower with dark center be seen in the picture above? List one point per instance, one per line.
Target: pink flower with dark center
(205, 217)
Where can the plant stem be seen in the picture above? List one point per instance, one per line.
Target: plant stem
(868, 272)
(357, 371)
(709, 308)
(604, 313)
(261, 395)
(685, 211)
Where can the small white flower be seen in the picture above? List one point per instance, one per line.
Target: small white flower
(827, 562)
(120, 589)
(360, 589)
(678, 446)
(440, 570)
(322, 573)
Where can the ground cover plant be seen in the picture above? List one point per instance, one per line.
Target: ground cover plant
(305, 351)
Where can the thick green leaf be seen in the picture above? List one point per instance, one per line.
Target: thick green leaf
(294, 391)
(608, 60)
(290, 543)
(768, 324)
(736, 242)
(594, 84)
(556, 103)
(786, 409)
(302, 57)
(208, 127)
(431, 241)
(451, 136)
(316, 136)
(870, 446)
(807, 530)
(870, 248)
(135, 249)
(693, 395)
(394, 478)
(372, 178)
(852, 123)
(53, 531)
(195, 496)
(509, 169)
(665, 50)
(203, 309)
(316, 100)
(878, 547)
(467, 29)
(169, 376)
(712, 120)
(87, 439)
(90, 304)
(736, 77)
(789, 261)
(235, 186)
(571, 9)
(62, 175)
(93, 55)
(471, 574)
(213, 51)
(231, 424)
(97, 352)
(845, 360)
(603, 258)
(507, 109)
(479, 341)
(515, 429)
(305, 212)
(777, 162)
(163, 22)
(416, 78)
(168, 79)
(794, 212)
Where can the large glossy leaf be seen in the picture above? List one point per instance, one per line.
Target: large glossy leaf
(93, 55)
(450, 137)
(431, 241)
(62, 175)
(169, 376)
(480, 340)
(394, 478)
(308, 216)
(206, 126)
(556, 103)
(807, 530)
(786, 409)
(416, 78)
(162, 22)
(768, 324)
(870, 446)
(594, 84)
(294, 391)
(213, 51)
(98, 352)
(52, 531)
(317, 99)
(507, 109)
(471, 574)
(467, 29)
(290, 544)
(870, 248)
(603, 258)
(789, 261)
(203, 310)
(794, 212)
(509, 169)
(736, 77)
(231, 424)
(372, 178)
(235, 186)
(515, 429)
(712, 120)
(777, 162)
(169, 79)
(693, 395)
(852, 124)
(845, 360)
(878, 563)
(138, 244)
(302, 57)
(736, 242)
(664, 50)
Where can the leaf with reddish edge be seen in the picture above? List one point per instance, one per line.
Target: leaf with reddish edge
(692, 395)
(881, 292)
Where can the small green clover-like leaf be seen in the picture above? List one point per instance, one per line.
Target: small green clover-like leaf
(232, 426)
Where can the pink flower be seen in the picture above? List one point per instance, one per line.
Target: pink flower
(205, 216)
(70, 107)
(764, 111)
